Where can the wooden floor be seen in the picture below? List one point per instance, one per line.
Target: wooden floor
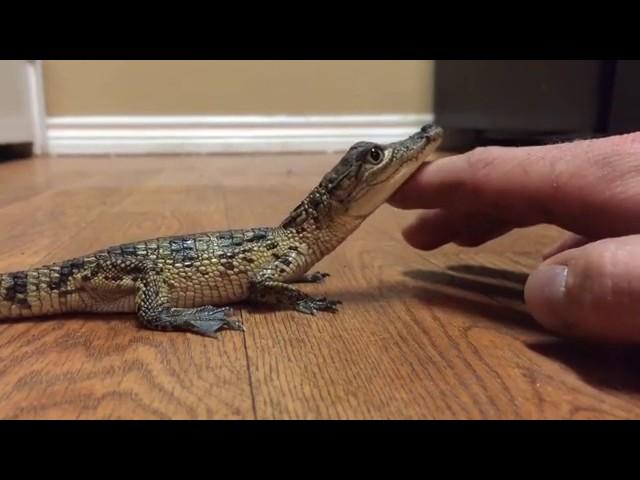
(420, 335)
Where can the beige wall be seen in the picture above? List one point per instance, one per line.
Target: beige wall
(237, 87)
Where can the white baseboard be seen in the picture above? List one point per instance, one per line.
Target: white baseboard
(38, 109)
(140, 135)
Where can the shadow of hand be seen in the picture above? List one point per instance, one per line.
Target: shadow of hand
(606, 366)
(496, 302)
(603, 366)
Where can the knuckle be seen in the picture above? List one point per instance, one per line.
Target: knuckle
(480, 164)
(482, 157)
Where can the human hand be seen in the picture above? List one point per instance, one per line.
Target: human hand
(589, 285)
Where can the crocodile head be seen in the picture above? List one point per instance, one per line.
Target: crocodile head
(369, 173)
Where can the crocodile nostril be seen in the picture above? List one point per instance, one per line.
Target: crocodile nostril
(432, 130)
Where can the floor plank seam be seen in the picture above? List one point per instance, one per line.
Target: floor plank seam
(244, 334)
(246, 354)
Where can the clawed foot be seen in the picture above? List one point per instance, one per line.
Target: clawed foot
(312, 305)
(207, 320)
(315, 277)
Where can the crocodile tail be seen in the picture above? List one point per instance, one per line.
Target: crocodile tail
(29, 293)
(4, 304)
(10, 297)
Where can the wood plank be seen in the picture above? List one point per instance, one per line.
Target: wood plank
(420, 335)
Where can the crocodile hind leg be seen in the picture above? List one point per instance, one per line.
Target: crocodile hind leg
(206, 320)
(155, 312)
(152, 304)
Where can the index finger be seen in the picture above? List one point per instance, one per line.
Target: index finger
(591, 187)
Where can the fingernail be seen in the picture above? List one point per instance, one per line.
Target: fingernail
(545, 295)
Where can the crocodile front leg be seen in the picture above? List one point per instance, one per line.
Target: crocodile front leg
(282, 295)
(270, 286)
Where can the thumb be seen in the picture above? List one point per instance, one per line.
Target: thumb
(591, 292)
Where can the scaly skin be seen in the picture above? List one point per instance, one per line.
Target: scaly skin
(188, 282)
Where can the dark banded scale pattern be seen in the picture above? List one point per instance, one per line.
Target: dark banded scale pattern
(211, 268)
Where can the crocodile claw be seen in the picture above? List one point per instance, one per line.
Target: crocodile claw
(312, 305)
(315, 277)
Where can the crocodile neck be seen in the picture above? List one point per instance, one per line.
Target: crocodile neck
(321, 223)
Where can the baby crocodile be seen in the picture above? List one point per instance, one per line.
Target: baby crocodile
(186, 283)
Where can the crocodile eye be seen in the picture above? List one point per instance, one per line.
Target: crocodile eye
(375, 155)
